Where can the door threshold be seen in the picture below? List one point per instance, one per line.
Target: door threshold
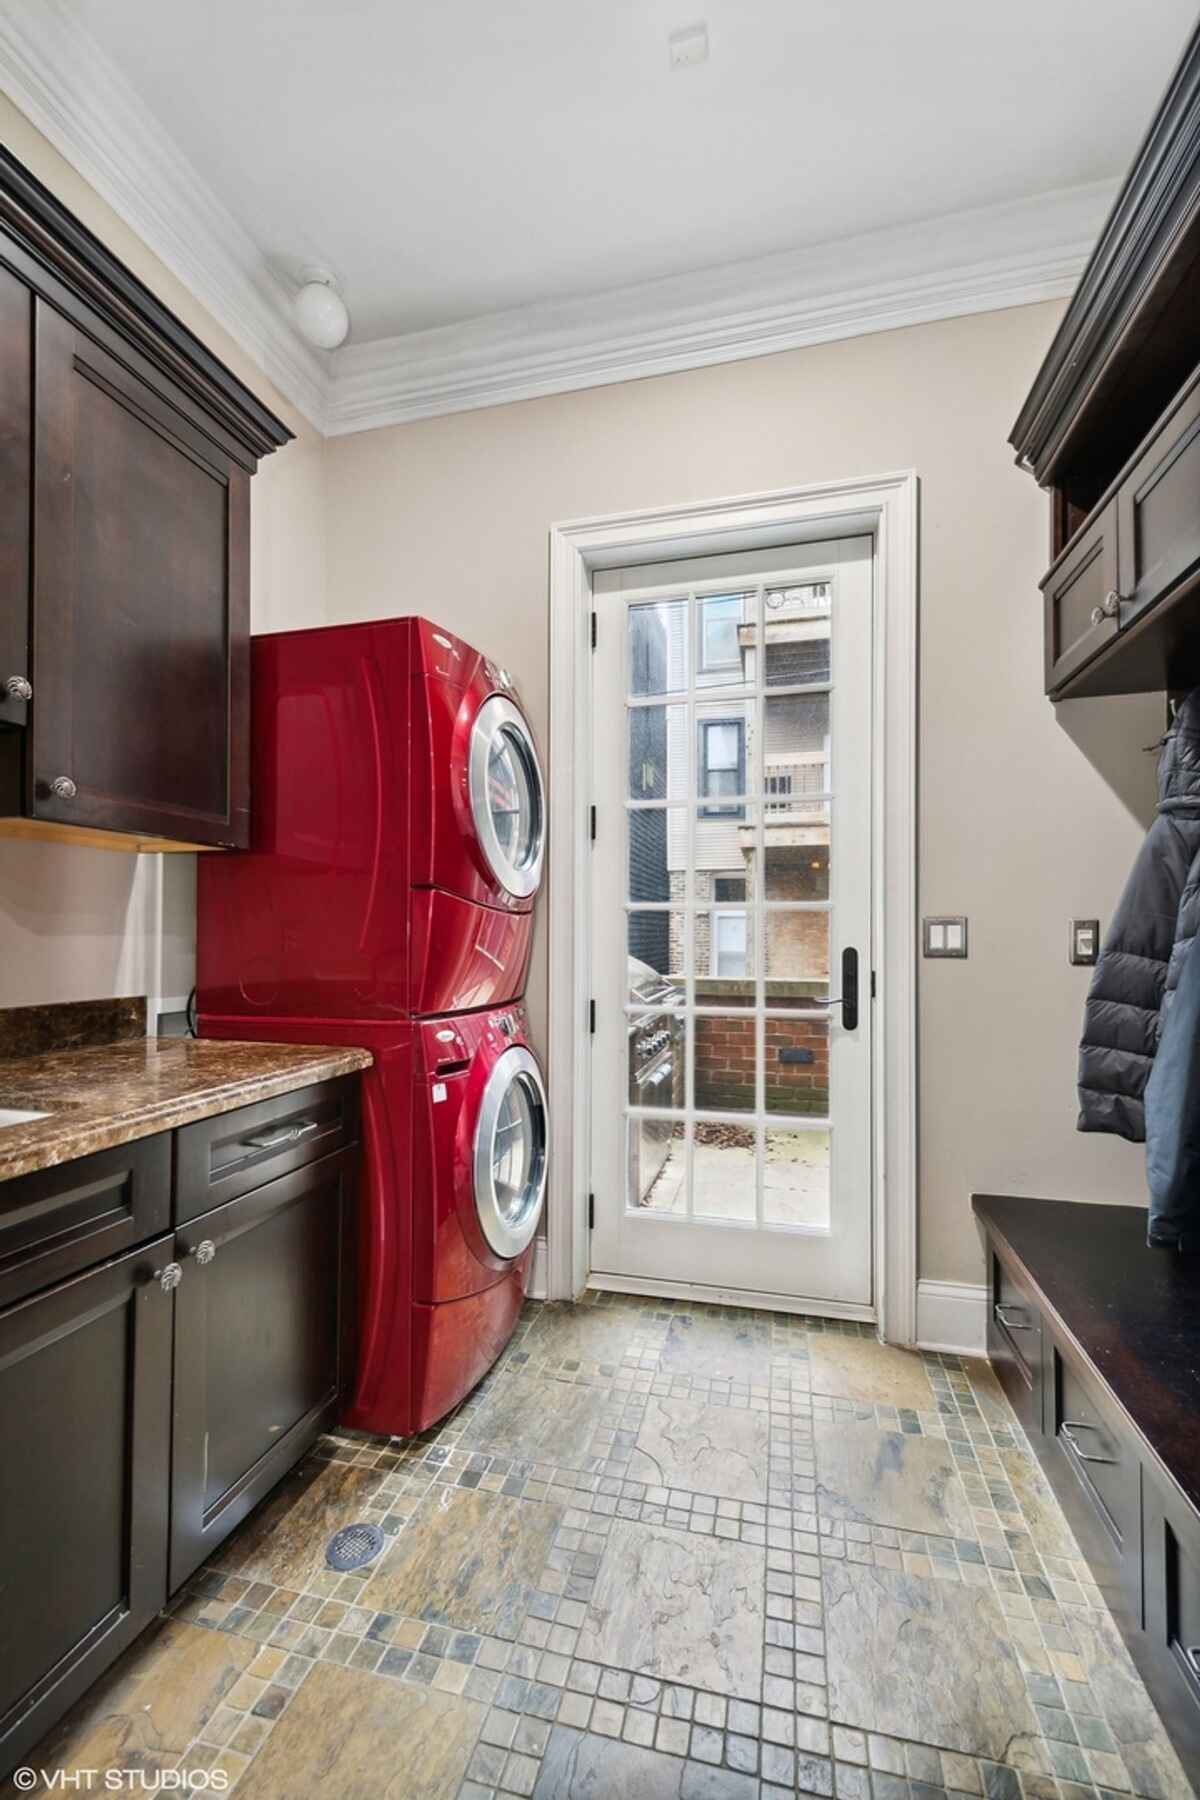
(720, 1296)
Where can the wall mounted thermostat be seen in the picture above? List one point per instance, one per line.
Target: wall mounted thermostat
(1085, 941)
(944, 937)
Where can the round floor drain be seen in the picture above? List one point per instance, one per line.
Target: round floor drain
(353, 1546)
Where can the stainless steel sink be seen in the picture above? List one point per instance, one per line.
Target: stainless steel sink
(12, 1115)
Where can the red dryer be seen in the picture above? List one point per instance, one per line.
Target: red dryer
(398, 832)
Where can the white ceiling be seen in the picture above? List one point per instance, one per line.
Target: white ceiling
(456, 158)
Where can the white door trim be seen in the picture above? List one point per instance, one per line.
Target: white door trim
(886, 506)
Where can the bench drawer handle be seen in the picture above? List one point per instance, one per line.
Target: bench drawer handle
(291, 1135)
(1069, 1427)
(1002, 1313)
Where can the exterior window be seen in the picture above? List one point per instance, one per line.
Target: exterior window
(719, 622)
(729, 887)
(722, 764)
(729, 946)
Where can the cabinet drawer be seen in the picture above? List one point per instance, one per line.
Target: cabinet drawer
(1102, 1490)
(56, 1222)
(219, 1159)
(1159, 519)
(1081, 600)
(1015, 1344)
(1172, 1562)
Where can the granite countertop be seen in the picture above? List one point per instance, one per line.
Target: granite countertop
(112, 1093)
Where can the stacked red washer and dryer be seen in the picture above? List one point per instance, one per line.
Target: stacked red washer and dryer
(387, 900)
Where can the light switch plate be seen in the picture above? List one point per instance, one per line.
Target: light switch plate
(1084, 946)
(944, 937)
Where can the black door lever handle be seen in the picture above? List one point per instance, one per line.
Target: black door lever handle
(850, 989)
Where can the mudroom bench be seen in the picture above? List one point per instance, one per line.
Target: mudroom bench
(1096, 1341)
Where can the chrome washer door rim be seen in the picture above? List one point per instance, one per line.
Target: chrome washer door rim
(498, 714)
(502, 1236)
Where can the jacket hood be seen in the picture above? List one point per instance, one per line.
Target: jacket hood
(1179, 763)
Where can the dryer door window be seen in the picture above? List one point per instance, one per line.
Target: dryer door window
(507, 801)
(510, 1153)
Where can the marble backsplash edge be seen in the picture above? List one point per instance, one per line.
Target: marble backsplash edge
(70, 1025)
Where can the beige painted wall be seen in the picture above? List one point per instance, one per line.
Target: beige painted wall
(1019, 826)
(75, 924)
(1025, 817)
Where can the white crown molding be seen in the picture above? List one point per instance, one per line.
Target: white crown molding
(69, 88)
(952, 1316)
(1009, 255)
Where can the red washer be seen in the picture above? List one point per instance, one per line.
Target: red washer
(455, 1142)
(480, 1146)
(398, 833)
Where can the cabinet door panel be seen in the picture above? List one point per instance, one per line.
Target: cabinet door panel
(16, 479)
(139, 520)
(85, 1421)
(1159, 514)
(1077, 592)
(261, 1346)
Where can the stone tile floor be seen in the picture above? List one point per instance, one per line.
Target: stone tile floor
(665, 1552)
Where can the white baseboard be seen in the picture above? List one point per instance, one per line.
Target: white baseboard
(537, 1285)
(952, 1316)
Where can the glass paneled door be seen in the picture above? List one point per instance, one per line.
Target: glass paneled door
(731, 1078)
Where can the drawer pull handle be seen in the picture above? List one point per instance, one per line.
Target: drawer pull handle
(1192, 1652)
(1069, 1427)
(290, 1135)
(168, 1277)
(1002, 1313)
(203, 1252)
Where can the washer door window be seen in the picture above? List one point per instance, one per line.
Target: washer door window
(506, 796)
(510, 1153)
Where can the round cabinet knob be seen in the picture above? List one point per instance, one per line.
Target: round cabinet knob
(17, 688)
(63, 788)
(204, 1251)
(1109, 607)
(169, 1277)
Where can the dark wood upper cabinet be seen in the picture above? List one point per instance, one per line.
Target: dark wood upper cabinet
(1111, 427)
(126, 453)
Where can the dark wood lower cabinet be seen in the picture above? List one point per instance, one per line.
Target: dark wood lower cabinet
(1096, 1340)
(261, 1347)
(85, 1424)
(149, 1401)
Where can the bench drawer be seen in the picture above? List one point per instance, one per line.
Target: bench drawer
(1172, 1561)
(1100, 1482)
(57, 1222)
(1015, 1343)
(224, 1157)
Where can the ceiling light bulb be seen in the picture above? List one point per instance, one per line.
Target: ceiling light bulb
(320, 310)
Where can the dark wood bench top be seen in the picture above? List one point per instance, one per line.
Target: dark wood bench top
(1133, 1312)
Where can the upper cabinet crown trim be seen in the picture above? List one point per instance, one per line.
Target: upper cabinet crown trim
(42, 227)
(1148, 244)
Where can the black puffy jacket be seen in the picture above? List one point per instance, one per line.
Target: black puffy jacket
(1132, 991)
